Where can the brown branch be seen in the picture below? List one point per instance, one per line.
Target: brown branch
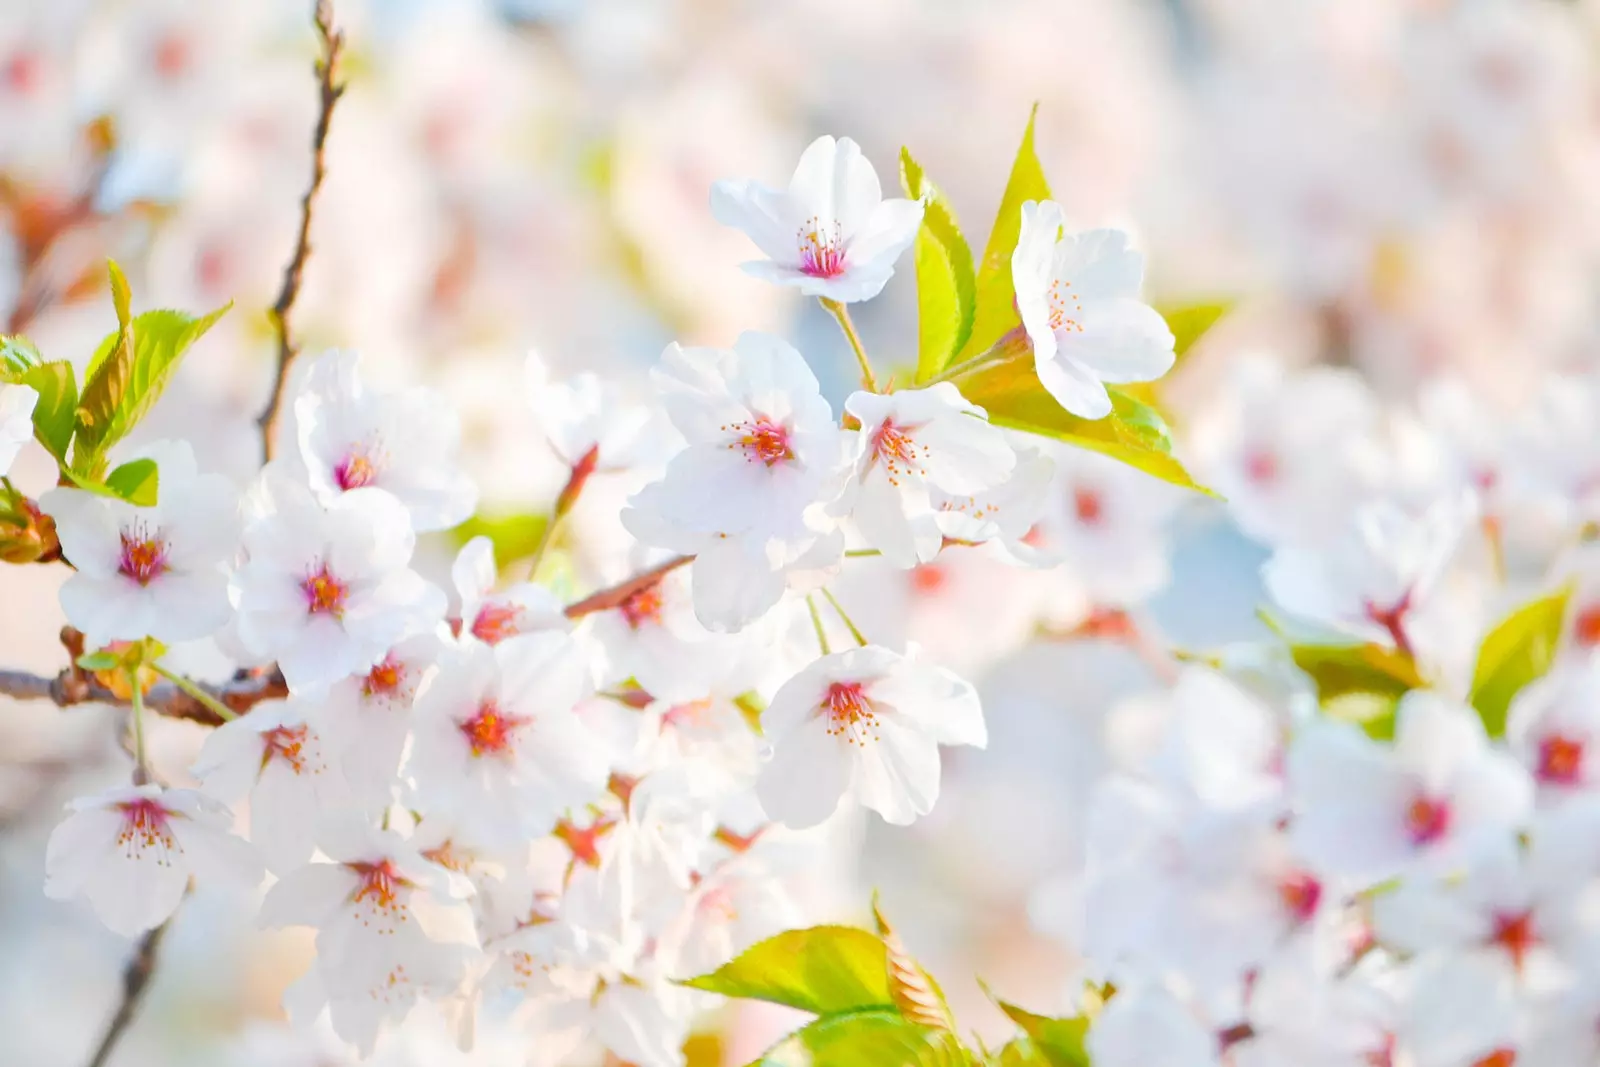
(77, 686)
(332, 44)
(135, 980)
(613, 596)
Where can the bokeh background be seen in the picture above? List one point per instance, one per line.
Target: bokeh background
(1407, 191)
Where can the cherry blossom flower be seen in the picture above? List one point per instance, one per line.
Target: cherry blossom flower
(585, 413)
(149, 572)
(366, 720)
(498, 745)
(830, 233)
(327, 590)
(1554, 729)
(912, 444)
(491, 615)
(1371, 584)
(867, 723)
(132, 850)
(1370, 812)
(1079, 299)
(404, 442)
(390, 926)
(16, 421)
(748, 494)
(279, 759)
(1146, 1024)
(654, 638)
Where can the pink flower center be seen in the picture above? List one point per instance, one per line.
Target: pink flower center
(1300, 893)
(144, 824)
(489, 731)
(355, 471)
(380, 883)
(171, 55)
(1586, 626)
(286, 743)
(763, 440)
(1088, 506)
(144, 554)
(496, 622)
(1427, 820)
(1261, 467)
(642, 607)
(1393, 620)
(898, 450)
(22, 73)
(928, 578)
(1515, 933)
(1560, 759)
(325, 594)
(385, 679)
(850, 713)
(821, 249)
(718, 905)
(1064, 308)
(1505, 1057)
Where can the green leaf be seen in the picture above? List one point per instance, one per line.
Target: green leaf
(1134, 433)
(1190, 322)
(874, 1038)
(99, 661)
(1515, 653)
(1054, 1041)
(824, 969)
(514, 535)
(17, 356)
(128, 374)
(946, 287)
(1362, 684)
(135, 481)
(995, 312)
(53, 423)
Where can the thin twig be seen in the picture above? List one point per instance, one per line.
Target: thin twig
(332, 43)
(842, 313)
(613, 596)
(135, 981)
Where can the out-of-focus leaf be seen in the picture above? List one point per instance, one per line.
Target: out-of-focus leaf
(1134, 433)
(946, 286)
(514, 536)
(995, 312)
(1053, 1041)
(57, 387)
(136, 481)
(823, 969)
(1515, 653)
(874, 1038)
(1190, 322)
(1359, 683)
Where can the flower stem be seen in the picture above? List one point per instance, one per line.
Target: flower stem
(861, 553)
(849, 625)
(1010, 344)
(816, 621)
(842, 314)
(223, 712)
(141, 764)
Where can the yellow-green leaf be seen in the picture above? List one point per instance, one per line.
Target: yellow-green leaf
(946, 286)
(1134, 433)
(515, 535)
(995, 312)
(874, 1038)
(128, 374)
(1190, 322)
(136, 481)
(1515, 653)
(17, 357)
(1057, 1042)
(1362, 684)
(57, 387)
(824, 969)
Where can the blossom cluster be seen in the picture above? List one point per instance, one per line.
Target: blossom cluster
(489, 791)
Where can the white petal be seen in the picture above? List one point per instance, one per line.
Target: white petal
(1074, 388)
(807, 776)
(897, 772)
